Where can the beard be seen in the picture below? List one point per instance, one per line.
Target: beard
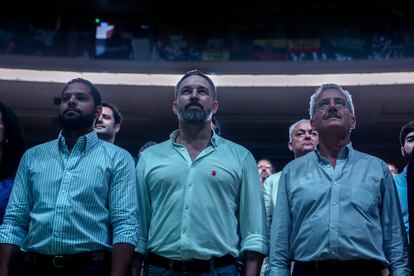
(193, 116)
(77, 122)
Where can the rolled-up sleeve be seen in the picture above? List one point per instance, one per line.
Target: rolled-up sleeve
(123, 201)
(17, 218)
(394, 236)
(280, 231)
(252, 210)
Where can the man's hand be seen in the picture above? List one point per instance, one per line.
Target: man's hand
(121, 258)
(254, 262)
(136, 264)
(8, 253)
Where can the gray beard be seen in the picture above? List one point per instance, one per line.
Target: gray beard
(194, 116)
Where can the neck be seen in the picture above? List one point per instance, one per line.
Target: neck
(109, 139)
(330, 145)
(197, 135)
(71, 136)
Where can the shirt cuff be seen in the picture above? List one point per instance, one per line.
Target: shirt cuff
(256, 243)
(124, 235)
(12, 235)
(141, 246)
(277, 272)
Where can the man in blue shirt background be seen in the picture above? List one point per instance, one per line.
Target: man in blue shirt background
(407, 143)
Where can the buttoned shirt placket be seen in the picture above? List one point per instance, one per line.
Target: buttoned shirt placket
(185, 241)
(69, 161)
(335, 174)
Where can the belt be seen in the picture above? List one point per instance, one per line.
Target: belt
(190, 266)
(62, 261)
(343, 265)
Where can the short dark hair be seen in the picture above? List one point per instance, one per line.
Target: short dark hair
(93, 89)
(197, 72)
(13, 143)
(405, 130)
(117, 115)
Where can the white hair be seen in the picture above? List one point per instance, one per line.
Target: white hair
(323, 87)
(292, 127)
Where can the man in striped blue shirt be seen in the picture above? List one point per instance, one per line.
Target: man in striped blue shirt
(73, 199)
(199, 194)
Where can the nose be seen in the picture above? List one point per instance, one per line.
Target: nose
(72, 100)
(194, 93)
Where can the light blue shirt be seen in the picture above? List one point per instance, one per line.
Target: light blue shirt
(346, 212)
(69, 202)
(211, 206)
(401, 184)
(270, 186)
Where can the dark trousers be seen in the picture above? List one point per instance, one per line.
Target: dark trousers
(340, 268)
(33, 266)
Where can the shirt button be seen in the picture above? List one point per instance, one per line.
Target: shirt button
(333, 227)
(333, 204)
(186, 207)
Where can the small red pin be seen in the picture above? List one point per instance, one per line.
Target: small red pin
(213, 173)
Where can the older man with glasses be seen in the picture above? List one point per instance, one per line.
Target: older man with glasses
(337, 210)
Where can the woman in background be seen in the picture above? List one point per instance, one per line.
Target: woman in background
(11, 150)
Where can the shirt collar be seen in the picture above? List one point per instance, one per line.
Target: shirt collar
(84, 142)
(214, 138)
(345, 153)
(404, 172)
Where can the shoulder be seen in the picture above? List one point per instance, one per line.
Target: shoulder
(400, 179)
(368, 158)
(272, 180)
(305, 160)
(160, 148)
(233, 148)
(50, 146)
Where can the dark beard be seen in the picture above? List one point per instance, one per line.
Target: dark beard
(194, 116)
(78, 122)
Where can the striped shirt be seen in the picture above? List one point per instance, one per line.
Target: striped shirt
(211, 206)
(69, 202)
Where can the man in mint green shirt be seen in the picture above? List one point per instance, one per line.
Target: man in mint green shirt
(337, 210)
(199, 194)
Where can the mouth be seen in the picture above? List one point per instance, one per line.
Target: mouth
(194, 106)
(333, 116)
(70, 111)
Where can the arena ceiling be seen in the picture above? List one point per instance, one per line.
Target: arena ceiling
(256, 115)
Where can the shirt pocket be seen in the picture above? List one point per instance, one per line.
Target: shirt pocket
(364, 197)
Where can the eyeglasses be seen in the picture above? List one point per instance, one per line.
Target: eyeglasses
(264, 167)
(326, 103)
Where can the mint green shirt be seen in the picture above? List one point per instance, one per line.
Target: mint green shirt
(346, 212)
(211, 206)
(70, 202)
